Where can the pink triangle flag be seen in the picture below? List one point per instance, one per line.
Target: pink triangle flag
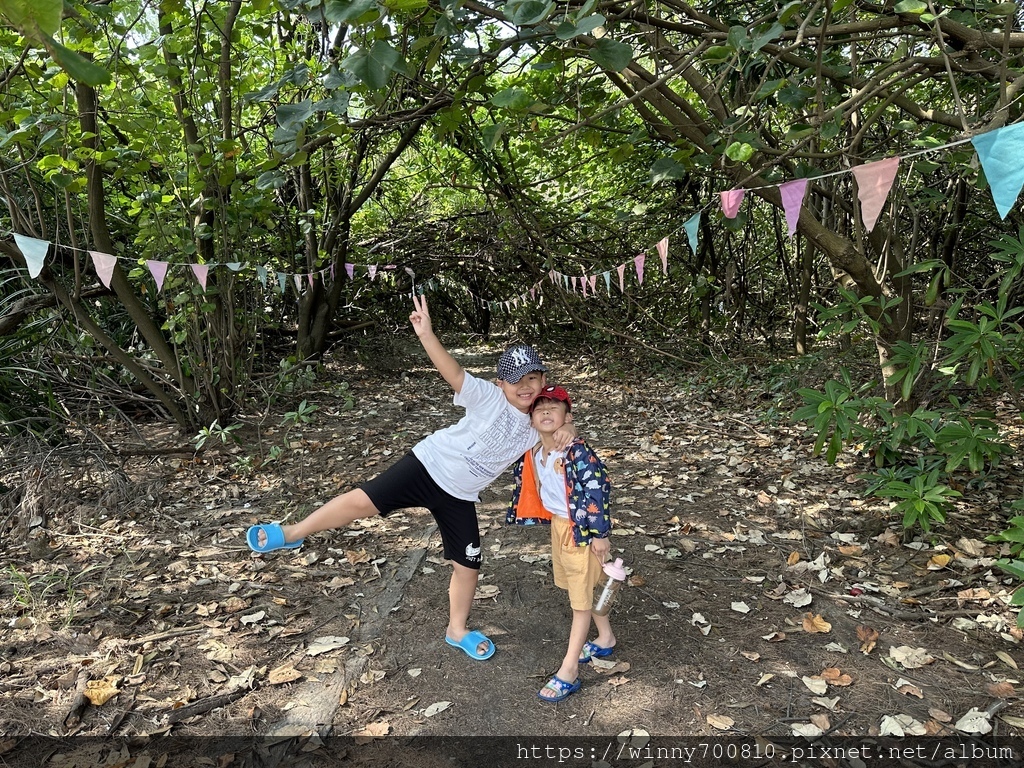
(622, 277)
(311, 277)
(792, 193)
(158, 269)
(874, 180)
(731, 200)
(639, 262)
(350, 270)
(662, 247)
(297, 279)
(373, 271)
(104, 264)
(200, 271)
(583, 286)
(593, 284)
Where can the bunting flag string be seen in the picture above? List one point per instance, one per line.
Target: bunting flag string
(999, 152)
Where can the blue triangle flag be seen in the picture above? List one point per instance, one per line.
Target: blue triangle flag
(1000, 152)
(691, 226)
(34, 252)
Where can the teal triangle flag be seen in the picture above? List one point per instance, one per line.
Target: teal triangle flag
(34, 252)
(691, 226)
(1000, 152)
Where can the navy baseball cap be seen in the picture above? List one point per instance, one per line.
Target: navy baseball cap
(518, 361)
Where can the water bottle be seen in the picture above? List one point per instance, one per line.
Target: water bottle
(607, 586)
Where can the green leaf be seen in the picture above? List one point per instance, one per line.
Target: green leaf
(773, 33)
(514, 99)
(527, 12)
(911, 6)
(33, 16)
(788, 10)
(611, 55)
(80, 69)
(718, 53)
(567, 30)
(739, 152)
(294, 115)
(344, 11)
(374, 66)
(491, 134)
(666, 169)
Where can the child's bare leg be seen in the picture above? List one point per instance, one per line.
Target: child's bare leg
(461, 590)
(605, 637)
(570, 668)
(336, 513)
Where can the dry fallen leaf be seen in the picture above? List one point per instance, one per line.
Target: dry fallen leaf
(907, 688)
(975, 721)
(808, 730)
(911, 658)
(606, 667)
(750, 655)
(829, 704)
(938, 562)
(851, 550)
(615, 682)
(941, 716)
(815, 684)
(1002, 690)
(721, 722)
(357, 558)
(868, 637)
(821, 720)
(1004, 657)
(774, 637)
(99, 692)
(485, 591)
(901, 725)
(798, 598)
(325, 644)
(815, 624)
(833, 676)
(372, 731)
(740, 607)
(436, 707)
(793, 559)
(286, 673)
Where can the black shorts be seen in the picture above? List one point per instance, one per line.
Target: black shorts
(406, 483)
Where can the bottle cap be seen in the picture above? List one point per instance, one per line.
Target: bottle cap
(615, 570)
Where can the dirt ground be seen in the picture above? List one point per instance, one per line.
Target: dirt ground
(766, 600)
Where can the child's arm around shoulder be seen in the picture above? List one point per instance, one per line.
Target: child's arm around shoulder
(449, 368)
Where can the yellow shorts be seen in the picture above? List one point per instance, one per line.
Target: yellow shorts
(576, 569)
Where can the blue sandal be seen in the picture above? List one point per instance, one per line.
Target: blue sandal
(470, 642)
(594, 651)
(275, 538)
(559, 686)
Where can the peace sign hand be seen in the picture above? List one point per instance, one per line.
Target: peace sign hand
(420, 317)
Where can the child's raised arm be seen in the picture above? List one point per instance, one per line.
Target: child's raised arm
(449, 368)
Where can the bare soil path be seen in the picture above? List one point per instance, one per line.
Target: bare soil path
(766, 599)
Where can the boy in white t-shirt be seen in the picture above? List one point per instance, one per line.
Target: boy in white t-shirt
(444, 472)
(569, 490)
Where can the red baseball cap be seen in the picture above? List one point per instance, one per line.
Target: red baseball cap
(552, 393)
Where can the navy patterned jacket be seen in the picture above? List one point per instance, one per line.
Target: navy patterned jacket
(587, 492)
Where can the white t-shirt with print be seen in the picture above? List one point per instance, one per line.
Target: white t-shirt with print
(468, 456)
(550, 471)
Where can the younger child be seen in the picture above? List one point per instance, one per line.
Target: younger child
(569, 490)
(444, 472)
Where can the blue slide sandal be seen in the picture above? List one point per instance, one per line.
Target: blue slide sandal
(470, 642)
(275, 538)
